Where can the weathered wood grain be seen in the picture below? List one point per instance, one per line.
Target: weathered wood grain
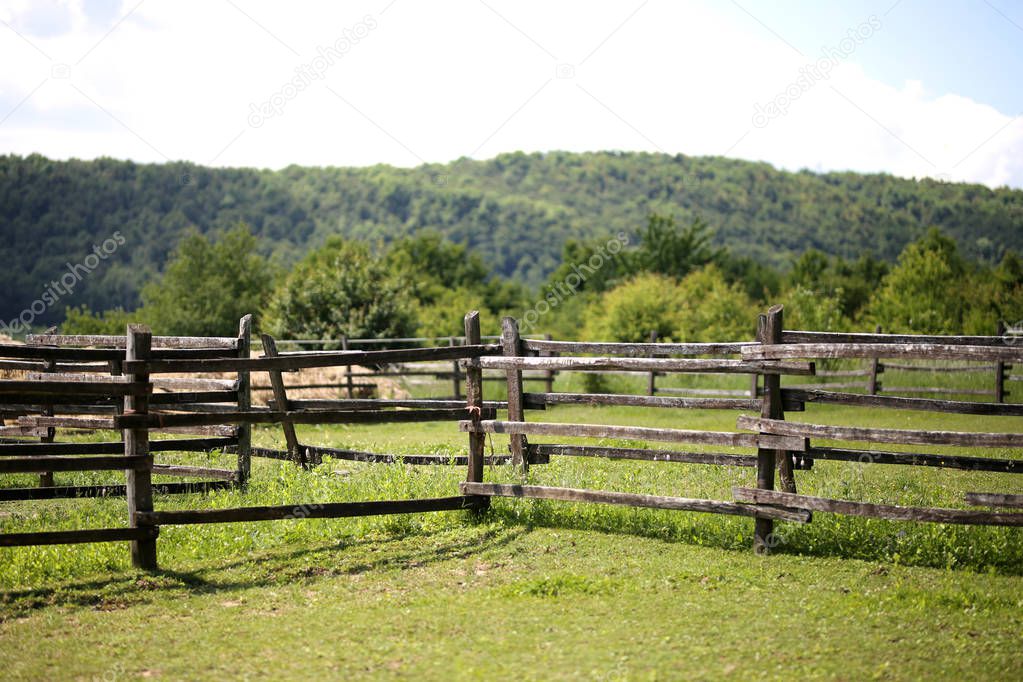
(645, 365)
(899, 403)
(635, 432)
(994, 500)
(325, 510)
(636, 349)
(541, 399)
(890, 512)
(875, 435)
(632, 500)
(643, 454)
(918, 351)
(964, 462)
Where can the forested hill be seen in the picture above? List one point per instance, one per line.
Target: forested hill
(516, 210)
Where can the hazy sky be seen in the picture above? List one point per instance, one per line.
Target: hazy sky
(908, 87)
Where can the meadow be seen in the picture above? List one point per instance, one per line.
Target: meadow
(534, 589)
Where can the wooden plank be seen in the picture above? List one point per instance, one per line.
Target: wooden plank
(712, 366)
(382, 403)
(327, 510)
(874, 435)
(899, 403)
(542, 399)
(29, 449)
(918, 351)
(652, 349)
(642, 454)
(316, 453)
(12, 465)
(39, 389)
(1008, 501)
(11, 350)
(789, 336)
(81, 491)
(113, 341)
(703, 391)
(937, 390)
(964, 462)
(194, 397)
(843, 372)
(195, 472)
(726, 438)
(87, 423)
(29, 431)
(194, 384)
(69, 537)
(160, 421)
(310, 360)
(903, 367)
(219, 430)
(831, 386)
(890, 512)
(632, 500)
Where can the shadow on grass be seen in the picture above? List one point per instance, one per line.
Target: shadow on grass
(400, 551)
(962, 548)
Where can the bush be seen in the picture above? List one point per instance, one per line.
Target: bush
(341, 289)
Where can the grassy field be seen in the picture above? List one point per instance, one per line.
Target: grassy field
(533, 589)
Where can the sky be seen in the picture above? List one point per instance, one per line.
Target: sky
(907, 87)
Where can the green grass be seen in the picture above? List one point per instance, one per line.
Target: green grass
(533, 589)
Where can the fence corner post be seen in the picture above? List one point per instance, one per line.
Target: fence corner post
(244, 401)
(139, 488)
(511, 344)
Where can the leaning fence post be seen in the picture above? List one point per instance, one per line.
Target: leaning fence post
(511, 344)
(244, 401)
(136, 444)
(474, 403)
(651, 386)
(295, 452)
(1000, 371)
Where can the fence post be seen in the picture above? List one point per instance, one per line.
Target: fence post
(456, 378)
(244, 401)
(348, 369)
(549, 374)
(769, 329)
(872, 386)
(46, 477)
(511, 343)
(295, 451)
(474, 403)
(651, 386)
(136, 444)
(1000, 371)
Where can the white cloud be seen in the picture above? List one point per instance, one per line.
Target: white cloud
(438, 81)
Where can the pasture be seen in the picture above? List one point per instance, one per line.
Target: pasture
(531, 588)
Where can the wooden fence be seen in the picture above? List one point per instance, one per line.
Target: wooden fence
(775, 447)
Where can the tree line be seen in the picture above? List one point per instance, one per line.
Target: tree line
(518, 210)
(670, 279)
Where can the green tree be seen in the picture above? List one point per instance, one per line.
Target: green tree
(925, 292)
(713, 310)
(629, 312)
(341, 289)
(667, 249)
(432, 264)
(208, 286)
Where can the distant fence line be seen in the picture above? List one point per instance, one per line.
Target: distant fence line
(111, 382)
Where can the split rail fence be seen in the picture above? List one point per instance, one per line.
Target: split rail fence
(776, 448)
